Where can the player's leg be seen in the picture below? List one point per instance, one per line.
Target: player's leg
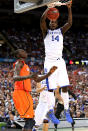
(40, 114)
(63, 81)
(52, 117)
(59, 109)
(45, 125)
(65, 96)
(51, 85)
(51, 105)
(29, 123)
(73, 123)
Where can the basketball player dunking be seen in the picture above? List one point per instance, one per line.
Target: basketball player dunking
(53, 42)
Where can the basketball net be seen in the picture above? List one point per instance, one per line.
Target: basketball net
(21, 6)
(58, 3)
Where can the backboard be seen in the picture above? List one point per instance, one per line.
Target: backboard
(21, 6)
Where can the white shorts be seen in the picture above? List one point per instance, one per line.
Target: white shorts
(60, 76)
(46, 102)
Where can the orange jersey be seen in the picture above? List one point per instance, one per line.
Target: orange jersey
(24, 84)
(22, 99)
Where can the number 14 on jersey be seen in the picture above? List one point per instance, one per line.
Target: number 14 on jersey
(55, 38)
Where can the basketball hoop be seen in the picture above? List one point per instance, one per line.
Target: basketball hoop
(21, 6)
(58, 3)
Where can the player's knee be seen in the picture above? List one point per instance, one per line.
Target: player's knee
(45, 121)
(29, 123)
(65, 89)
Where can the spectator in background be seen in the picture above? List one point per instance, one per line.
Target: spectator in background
(11, 121)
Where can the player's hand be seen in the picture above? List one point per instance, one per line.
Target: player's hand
(51, 5)
(69, 4)
(56, 3)
(35, 76)
(53, 69)
(45, 87)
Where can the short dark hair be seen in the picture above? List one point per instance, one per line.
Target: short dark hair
(17, 54)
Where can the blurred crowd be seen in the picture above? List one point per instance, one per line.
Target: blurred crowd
(75, 44)
(78, 76)
(79, 81)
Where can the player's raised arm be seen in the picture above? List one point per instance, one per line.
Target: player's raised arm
(43, 23)
(69, 22)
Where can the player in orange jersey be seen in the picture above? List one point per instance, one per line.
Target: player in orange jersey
(22, 88)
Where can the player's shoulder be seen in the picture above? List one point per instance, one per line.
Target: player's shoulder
(19, 63)
(59, 29)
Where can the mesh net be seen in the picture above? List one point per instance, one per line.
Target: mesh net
(58, 3)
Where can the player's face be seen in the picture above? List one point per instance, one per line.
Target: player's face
(53, 24)
(23, 54)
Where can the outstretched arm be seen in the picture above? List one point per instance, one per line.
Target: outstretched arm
(43, 23)
(69, 23)
(34, 76)
(17, 69)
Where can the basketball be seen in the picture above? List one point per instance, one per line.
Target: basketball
(53, 14)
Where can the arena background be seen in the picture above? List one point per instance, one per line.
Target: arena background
(23, 31)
